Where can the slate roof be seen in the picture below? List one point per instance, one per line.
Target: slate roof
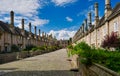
(5, 27)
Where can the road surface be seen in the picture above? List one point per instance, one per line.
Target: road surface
(50, 64)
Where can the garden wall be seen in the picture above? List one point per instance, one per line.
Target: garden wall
(8, 57)
(95, 70)
(4, 58)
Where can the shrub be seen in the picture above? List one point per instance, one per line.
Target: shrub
(109, 59)
(29, 47)
(70, 47)
(14, 48)
(111, 41)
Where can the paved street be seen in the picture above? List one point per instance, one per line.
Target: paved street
(51, 64)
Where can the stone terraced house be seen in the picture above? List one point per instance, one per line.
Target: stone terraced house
(94, 34)
(11, 35)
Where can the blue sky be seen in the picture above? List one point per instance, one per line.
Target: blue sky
(62, 18)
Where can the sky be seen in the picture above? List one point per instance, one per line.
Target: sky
(61, 18)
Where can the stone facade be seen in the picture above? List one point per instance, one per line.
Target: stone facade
(9, 35)
(95, 33)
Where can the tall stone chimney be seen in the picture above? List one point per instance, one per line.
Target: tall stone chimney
(89, 20)
(86, 27)
(83, 28)
(22, 22)
(29, 27)
(108, 8)
(96, 14)
(12, 19)
(80, 30)
(45, 35)
(35, 30)
(39, 32)
(42, 34)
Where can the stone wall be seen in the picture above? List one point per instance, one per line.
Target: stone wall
(95, 70)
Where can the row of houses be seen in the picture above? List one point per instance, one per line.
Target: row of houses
(11, 35)
(94, 34)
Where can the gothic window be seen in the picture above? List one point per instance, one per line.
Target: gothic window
(115, 26)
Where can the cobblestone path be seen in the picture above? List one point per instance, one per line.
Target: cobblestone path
(51, 64)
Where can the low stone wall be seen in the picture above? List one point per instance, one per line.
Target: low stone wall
(21, 55)
(8, 57)
(95, 70)
(102, 71)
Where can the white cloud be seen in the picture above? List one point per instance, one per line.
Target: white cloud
(63, 2)
(62, 34)
(23, 7)
(69, 19)
(38, 21)
(27, 9)
(85, 12)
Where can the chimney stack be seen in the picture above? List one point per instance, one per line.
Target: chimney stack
(35, 29)
(89, 20)
(22, 24)
(85, 23)
(30, 27)
(45, 35)
(39, 32)
(108, 8)
(96, 14)
(83, 28)
(80, 30)
(42, 34)
(12, 18)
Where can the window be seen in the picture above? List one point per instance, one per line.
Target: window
(115, 26)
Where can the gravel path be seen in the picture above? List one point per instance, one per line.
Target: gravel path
(51, 64)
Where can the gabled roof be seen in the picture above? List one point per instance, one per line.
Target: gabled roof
(5, 27)
(1, 29)
(18, 30)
